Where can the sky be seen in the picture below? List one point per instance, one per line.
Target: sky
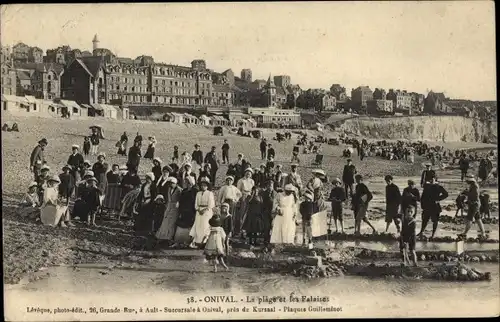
(418, 46)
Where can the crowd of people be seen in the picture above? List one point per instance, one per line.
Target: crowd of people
(262, 205)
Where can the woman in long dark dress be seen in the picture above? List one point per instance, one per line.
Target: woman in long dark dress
(150, 152)
(254, 221)
(122, 149)
(187, 211)
(157, 171)
(143, 220)
(130, 181)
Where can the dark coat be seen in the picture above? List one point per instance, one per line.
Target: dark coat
(348, 174)
(76, 162)
(187, 211)
(197, 156)
(411, 196)
(37, 157)
(427, 176)
(431, 196)
(134, 156)
(392, 194)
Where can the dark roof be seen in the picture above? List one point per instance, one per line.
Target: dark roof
(125, 60)
(92, 63)
(221, 88)
(41, 67)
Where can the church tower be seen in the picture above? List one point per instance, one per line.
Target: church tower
(271, 92)
(95, 42)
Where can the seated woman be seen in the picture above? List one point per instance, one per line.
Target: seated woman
(52, 211)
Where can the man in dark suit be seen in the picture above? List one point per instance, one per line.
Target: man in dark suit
(348, 178)
(427, 175)
(197, 155)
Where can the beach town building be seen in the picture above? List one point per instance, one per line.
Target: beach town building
(359, 97)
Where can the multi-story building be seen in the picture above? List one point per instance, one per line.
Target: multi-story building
(379, 94)
(293, 92)
(338, 91)
(246, 75)
(282, 81)
(41, 80)
(359, 97)
(316, 99)
(8, 81)
(35, 55)
(222, 95)
(199, 64)
(84, 81)
(21, 53)
(435, 103)
(379, 107)
(270, 116)
(258, 84)
(401, 100)
(417, 103)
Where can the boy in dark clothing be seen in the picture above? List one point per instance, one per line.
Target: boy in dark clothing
(271, 154)
(392, 203)
(306, 209)
(484, 208)
(175, 157)
(263, 148)
(464, 166)
(410, 197)
(348, 178)
(67, 183)
(225, 152)
(337, 197)
(460, 202)
(86, 146)
(113, 176)
(407, 237)
(91, 196)
(427, 175)
(197, 155)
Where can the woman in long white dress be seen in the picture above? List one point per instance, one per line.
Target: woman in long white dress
(204, 204)
(52, 210)
(284, 226)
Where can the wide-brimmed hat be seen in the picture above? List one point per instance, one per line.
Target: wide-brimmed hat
(428, 164)
(157, 159)
(289, 187)
(167, 168)
(54, 178)
(123, 168)
(348, 160)
(87, 162)
(160, 197)
(172, 179)
(336, 180)
(470, 179)
(215, 221)
(151, 176)
(196, 145)
(230, 178)
(308, 194)
(32, 184)
(294, 165)
(92, 179)
(205, 180)
(75, 146)
(67, 166)
(44, 141)
(45, 167)
(101, 154)
(187, 164)
(89, 173)
(249, 170)
(319, 171)
(225, 204)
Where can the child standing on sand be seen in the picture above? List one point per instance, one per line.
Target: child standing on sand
(215, 249)
(407, 238)
(460, 202)
(484, 208)
(86, 146)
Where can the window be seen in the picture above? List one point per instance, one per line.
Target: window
(156, 82)
(163, 82)
(133, 88)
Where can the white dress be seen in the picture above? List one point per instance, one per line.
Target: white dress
(283, 231)
(201, 227)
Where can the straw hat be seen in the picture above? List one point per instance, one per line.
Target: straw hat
(44, 141)
(151, 176)
(289, 187)
(32, 184)
(157, 159)
(294, 164)
(86, 162)
(67, 166)
(54, 178)
(230, 178)
(205, 180)
(88, 174)
(319, 171)
(187, 164)
(123, 168)
(45, 167)
(75, 146)
(249, 170)
(470, 179)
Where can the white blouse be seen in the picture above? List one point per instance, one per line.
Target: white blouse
(245, 185)
(228, 192)
(205, 199)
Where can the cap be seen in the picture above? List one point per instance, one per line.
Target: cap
(101, 154)
(32, 184)
(196, 145)
(159, 197)
(88, 174)
(336, 180)
(205, 180)
(151, 176)
(349, 160)
(44, 141)
(388, 178)
(427, 164)
(249, 170)
(167, 168)
(45, 167)
(67, 166)
(230, 178)
(75, 146)
(319, 171)
(411, 182)
(86, 162)
(157, 159)
(225, 204)
(92, 179)
(289, 187)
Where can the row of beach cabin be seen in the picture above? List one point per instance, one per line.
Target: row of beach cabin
(204, 120)
(31, 106)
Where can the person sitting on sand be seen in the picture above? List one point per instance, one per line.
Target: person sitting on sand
(215, 249)
(31, 199)
(59, 215)
(14, 128)
(407, 238)
(5, 127)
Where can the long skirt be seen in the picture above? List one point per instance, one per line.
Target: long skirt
(201, 227)
(239, 215)
(150, 153)
(169, 223)
(283, 231)
(143, 220)
(215, 244)
(112, 196)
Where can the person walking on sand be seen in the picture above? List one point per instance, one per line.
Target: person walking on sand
(392, 203)
(150, 152)
(407, 238)
(464, 166)
(134, 156)
(473, 208)
(122, 147)
(37, 158)
(432, 194)
(204, 204)
(360, 200)
(348, 178)
(225, 152)
(94, 140)
(197, 155)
